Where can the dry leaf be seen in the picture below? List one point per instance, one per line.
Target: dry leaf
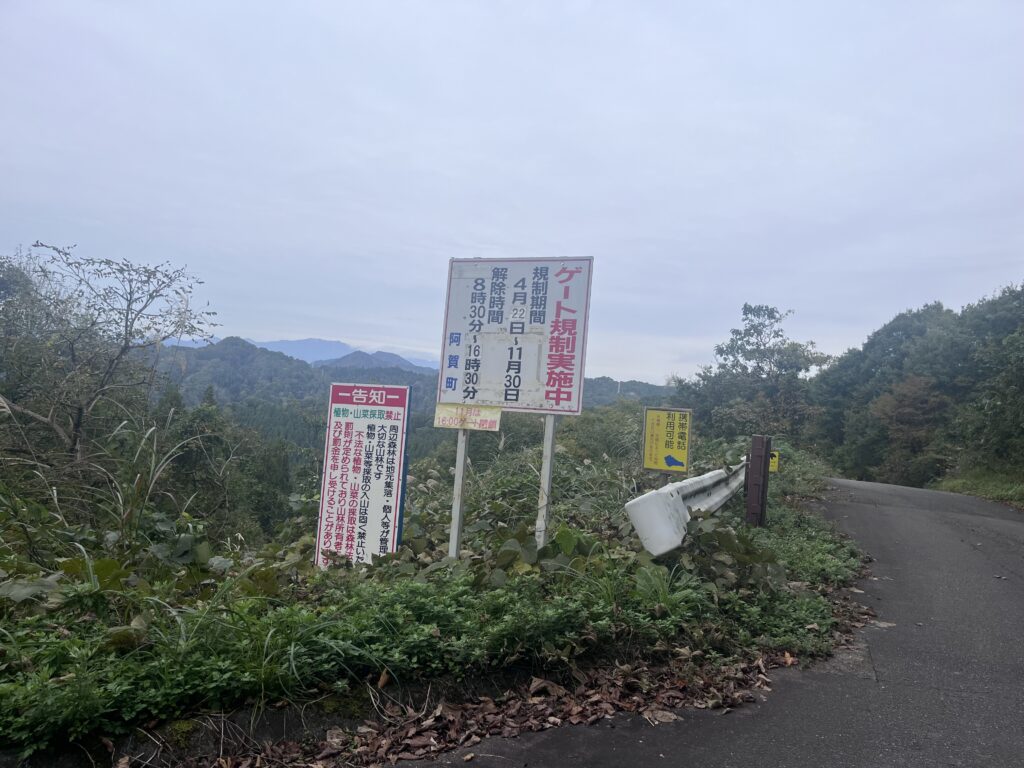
(467, 757)
(336, 735)
(655, 716)
(384, 679)
(329, 752)
(539, 684)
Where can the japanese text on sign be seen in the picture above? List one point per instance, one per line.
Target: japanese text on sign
(479, 417)
(361, 494)
(515, 334)
(667, 439)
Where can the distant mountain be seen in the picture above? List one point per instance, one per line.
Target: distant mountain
(239, 371)
(325, 351)
(604, 391)
(309, 350)
(424, 362)
(194, 343)
(366, 360)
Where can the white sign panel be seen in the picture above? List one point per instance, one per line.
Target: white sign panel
(362, 491)
(515, 334)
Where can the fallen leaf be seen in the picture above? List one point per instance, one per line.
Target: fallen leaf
(539, 684)
(467, 757)
(426, 740)
(661, 716)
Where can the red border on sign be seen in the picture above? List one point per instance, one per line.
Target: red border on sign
(337, 396)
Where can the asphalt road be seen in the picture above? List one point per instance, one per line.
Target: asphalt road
(938, 681)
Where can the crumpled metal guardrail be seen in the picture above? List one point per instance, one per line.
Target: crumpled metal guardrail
(660, 516)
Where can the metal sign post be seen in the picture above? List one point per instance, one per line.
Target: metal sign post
(455, 540)
(546, 468)
(514, 338)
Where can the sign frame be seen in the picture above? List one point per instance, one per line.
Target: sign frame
(582, 332)
(400, 473)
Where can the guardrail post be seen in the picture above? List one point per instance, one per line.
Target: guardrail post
(757, 480)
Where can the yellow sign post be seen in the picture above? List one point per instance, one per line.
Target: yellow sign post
(667, 439)
(773, 461)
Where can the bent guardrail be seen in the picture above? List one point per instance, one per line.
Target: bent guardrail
(660, 516)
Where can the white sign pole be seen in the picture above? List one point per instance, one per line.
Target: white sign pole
(546, 467)
(515, 338)
(455, 541)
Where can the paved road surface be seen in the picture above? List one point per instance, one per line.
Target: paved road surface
(942, 686)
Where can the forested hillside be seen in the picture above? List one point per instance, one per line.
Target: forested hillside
(933, 393)
(283, 398)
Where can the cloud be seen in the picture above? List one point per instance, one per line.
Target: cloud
(319, 164)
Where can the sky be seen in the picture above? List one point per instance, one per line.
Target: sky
(318, 163)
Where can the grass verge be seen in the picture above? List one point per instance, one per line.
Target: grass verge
(1006, 487)
(87, 659)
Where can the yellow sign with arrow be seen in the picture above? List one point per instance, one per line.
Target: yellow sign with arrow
(667, 439)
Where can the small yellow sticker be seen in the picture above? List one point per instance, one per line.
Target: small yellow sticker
(455, 416)
(773, 461)
(667, 439)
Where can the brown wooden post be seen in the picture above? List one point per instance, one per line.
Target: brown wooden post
(756, 485)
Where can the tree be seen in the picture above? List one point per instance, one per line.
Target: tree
(759, 382)
(80, 337)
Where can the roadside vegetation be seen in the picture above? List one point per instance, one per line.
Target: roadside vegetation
(933, 396)
(1007, 487)
(106, 629)
(157, 518)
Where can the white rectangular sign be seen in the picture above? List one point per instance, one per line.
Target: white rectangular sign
(364, 472)
(515, 334)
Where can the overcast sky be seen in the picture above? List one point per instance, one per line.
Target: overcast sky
(319, 163)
